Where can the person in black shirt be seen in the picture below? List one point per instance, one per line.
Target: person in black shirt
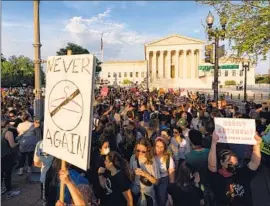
(97, 162)
(118, 183)
(185, 191)
(230, 183)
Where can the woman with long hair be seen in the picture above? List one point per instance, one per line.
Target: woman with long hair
(185, 191)
(166, 167)
(118, 183)
(179, 146)
(77, 189)
(146, 173)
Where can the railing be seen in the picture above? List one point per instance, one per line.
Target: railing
(258, 97)
(255, 86)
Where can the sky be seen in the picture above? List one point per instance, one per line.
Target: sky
(126, 26)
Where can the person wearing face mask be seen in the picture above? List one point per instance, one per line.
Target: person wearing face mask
(97, 165)
(230, 183)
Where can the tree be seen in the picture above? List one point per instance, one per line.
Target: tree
(264, 79)
(17, 71)
(127, 82)
(247, 26)
(77, 49)
(3, 59)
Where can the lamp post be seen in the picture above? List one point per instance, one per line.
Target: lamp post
(245, 66)
(217, 34)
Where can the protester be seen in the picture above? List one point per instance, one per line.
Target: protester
(44, 161)
(185, 191)
(97, 163)
(230, 184)
(77, 189)
(166, 167)
(28, 140)
(7, 142)
(179, 146)
(118, 184)
(146, 173)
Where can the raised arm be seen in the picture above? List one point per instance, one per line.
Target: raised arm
(256, 154)
(212, 157)
(77, 197)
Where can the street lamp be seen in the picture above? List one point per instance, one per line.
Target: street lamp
(217, 34)
(245, 68)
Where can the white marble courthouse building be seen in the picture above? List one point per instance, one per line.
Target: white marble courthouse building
(172, 62)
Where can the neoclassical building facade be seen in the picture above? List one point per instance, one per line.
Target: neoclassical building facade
(172, 62)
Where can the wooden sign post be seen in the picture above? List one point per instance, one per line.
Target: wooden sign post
(63, 164)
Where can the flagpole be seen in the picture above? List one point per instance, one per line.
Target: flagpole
(101, 46)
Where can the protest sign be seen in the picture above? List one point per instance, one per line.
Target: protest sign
(235, 130)
(68, 108)
(104, 91)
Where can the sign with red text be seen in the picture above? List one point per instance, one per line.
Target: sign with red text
(236, 131)
(68, 108)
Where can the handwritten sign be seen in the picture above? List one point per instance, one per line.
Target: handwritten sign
(104, 91)
(236, 131)
(68, 108)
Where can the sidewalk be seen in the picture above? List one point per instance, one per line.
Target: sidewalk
(30, 191)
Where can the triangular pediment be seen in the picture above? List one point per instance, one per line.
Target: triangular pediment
(174, 39)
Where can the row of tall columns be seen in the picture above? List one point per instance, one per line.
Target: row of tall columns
(184, 64)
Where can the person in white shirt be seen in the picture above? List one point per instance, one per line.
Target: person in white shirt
(27, 139)
(166, 167)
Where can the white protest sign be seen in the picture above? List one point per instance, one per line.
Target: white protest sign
(236, 131)
(68, 108)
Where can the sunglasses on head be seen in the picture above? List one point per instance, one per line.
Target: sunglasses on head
(140, 151)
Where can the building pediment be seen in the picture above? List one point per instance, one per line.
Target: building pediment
(174, 39)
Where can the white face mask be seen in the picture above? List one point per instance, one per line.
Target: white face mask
(106, 151)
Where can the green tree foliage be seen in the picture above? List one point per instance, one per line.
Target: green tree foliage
(247, 27)
(262, 79)
(77, 49)
(17, 71)
(127, 81)
(3, 59)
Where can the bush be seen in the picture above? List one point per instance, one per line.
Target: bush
(230, 82)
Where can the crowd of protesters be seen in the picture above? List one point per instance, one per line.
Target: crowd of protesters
(148, 149)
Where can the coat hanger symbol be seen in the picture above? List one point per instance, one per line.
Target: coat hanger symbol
(64, 98)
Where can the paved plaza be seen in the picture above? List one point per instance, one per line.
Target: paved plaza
(30, 191)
